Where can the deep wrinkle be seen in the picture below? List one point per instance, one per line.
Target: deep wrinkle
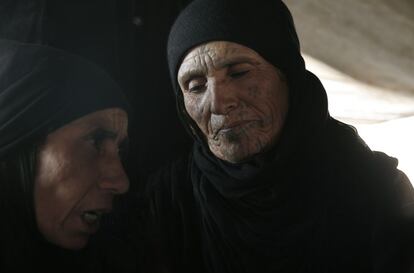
(233, 85)
(79, 170)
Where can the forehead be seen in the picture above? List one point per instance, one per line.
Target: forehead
(217, 54)
(112, 119)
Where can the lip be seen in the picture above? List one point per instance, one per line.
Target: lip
(233, 125)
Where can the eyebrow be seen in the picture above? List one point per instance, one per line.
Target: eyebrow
(191, 74)
(200, 72)
(235, 61)
(106, 134)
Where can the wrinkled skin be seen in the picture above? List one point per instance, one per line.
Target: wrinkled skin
(238, 100)
(78, 170)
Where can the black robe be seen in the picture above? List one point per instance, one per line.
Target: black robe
(334, 210)
(319, 201)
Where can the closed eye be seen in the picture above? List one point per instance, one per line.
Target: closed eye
(239, 74)
(196, 85)
(196, 88)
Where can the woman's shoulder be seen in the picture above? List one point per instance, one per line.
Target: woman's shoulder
(359, 167)
(168, 196)
(172, 216)
(169, 178)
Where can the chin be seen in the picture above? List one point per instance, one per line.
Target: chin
(72, 243)
(237, 149)
(233, 154)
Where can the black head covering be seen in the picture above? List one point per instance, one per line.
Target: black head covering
(290, 209)
(266, 231)
(266, 27)
(42, 89)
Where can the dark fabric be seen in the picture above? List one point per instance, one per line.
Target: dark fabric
(41, 89)
(299, 133)
(406, 255)
(22, 20)
(239, 21)
(24, 249)
(333, 209)
(107, 254)
(267, 27)
(319, 201)
(127, 38)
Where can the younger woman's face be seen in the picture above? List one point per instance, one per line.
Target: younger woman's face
(79, 172)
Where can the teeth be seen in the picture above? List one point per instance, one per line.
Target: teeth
(91, 217)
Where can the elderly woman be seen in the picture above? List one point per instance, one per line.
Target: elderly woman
(63, 126)
(273, 183)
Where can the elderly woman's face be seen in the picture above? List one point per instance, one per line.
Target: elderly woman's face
(237, 99)
(79, 173)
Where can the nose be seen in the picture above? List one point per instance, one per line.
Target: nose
(223, 97)
(114, 178)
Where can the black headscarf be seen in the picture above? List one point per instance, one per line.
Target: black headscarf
(270, 214)
(42, 89)
(266, 27)
(253, 214)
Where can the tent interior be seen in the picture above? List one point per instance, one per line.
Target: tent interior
(363, 51)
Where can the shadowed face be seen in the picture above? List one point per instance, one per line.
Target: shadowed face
(79, 173)
(238, 100)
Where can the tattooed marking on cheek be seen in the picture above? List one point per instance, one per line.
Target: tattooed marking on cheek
(253, 91)
(254, 124)
(233, 136)
(259, 146)
(242, 114)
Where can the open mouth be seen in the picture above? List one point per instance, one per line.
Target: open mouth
(92, 217)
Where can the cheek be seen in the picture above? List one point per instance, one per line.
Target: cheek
(52, 167)
(259, 100)
(62, 182)
(254, 92)
(277, 105)
(195, 107)
(280, 98)
(271, 97)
